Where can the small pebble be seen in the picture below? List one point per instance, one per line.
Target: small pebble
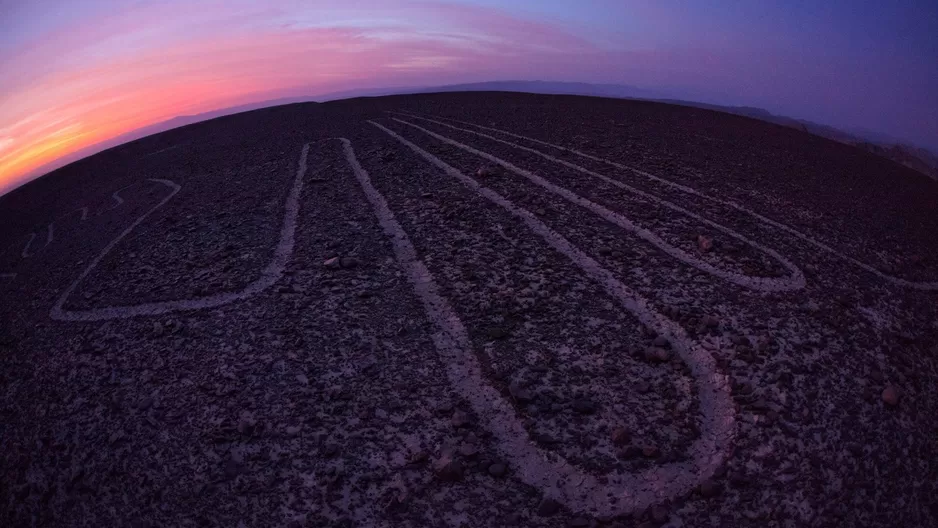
(497, 469)
(548, 507)
(460, 419)
(708, 489)
(891, 396)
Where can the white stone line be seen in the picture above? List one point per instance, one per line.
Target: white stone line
(25, 253)
(556, 477)
(919, 285)
(117, 197)
(7, 275)
(50, 230)
(794, 281)
(269, 275)
(163, 150)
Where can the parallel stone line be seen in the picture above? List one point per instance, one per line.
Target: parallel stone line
(621, 493)
(269, 275)
(795, 281)
(919, 285)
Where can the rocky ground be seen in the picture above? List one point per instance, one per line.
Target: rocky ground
(482, 310)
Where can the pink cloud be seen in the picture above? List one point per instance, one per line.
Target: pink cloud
(86, 92)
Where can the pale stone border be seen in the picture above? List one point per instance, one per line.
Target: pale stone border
(918, 285)
(794, 281)
(269, 275)
(581, 492)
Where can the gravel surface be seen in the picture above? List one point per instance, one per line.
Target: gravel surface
(481, 309)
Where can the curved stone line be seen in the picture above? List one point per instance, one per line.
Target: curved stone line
(620, 493)
(795, 281)
(117, 198)
(918, 285)
(269, 275)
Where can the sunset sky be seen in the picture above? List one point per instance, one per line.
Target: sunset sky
(74, 73)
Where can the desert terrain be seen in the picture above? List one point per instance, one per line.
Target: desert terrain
(471, 309)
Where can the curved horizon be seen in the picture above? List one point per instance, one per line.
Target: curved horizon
(77, 76)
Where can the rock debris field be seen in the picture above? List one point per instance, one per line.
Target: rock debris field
(475, 310)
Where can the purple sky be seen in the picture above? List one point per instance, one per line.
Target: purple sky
(76, 73)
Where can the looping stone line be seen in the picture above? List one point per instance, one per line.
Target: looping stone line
(898, 281)
(268, 277)
(794, 281)
(617, 493)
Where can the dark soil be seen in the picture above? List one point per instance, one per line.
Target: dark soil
(322, 400)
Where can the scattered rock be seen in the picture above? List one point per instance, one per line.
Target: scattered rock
(708, 489)
(512, 519)
(659, 514)
(419, 457)
(333, 263)
(349, 262)
(620, 436)
(705, 243)
(247, 422)
(657, 355)
(519, 393)
(232, 467)
(448, 469)
(498, 469)
(485, 172)
(459, 419)
(651, 451)
(330, 450)
(468, 450)
(302, 379)
(584, 406)
(629, 453)
(662, 342)
(710, 321)
(545, 438)
(548, 507)
(157, 328)
(497, 332)
(579, 522)
(891, 396)
(293, 430)
(738, 479)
